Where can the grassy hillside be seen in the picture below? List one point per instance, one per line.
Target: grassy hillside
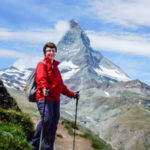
(16, 130)
(16, 127)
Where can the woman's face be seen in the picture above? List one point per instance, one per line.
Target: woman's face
(50, 52)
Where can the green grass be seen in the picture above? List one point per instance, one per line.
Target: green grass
(12, 137)
(19, 118)
(16, 129)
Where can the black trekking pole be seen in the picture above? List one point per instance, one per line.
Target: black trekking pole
(75, 122)
(42, 129)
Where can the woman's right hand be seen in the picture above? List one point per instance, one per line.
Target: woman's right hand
(45, 91)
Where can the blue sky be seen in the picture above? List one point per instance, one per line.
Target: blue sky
(119, 29)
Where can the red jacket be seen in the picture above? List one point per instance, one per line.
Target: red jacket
(48, 75)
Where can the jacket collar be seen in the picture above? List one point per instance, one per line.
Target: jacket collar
(47, 60)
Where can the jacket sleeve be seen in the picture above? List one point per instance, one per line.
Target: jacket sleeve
(66, 91)
(41, 75)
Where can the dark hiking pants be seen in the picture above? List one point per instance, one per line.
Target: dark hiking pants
(51, 118)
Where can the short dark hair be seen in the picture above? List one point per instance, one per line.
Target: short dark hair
(50, 45)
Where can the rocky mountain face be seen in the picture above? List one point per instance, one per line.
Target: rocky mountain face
(111, 104)
(6, 101)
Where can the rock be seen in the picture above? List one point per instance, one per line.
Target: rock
(6, 101)
(59, 135)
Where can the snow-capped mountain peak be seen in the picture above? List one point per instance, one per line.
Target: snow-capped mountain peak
(75, 47)
(74, 25)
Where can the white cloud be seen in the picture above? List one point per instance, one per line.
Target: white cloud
(23, 60)
(124, 43)
(10, 53)
(129, 13)
(118, 42)
(62, 26)
(27, 62)
(38, 35)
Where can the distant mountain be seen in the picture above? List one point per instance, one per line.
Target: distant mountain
(15, 78)
(111, 104)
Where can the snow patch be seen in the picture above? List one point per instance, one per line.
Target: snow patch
(67, 65)
(111, 73)
(107, 94)
(72, 69)
(68, 75)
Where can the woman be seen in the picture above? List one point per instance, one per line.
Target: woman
(50, 85)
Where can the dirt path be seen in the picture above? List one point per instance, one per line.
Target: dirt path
(65, 142)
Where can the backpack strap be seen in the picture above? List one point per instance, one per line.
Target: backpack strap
(44, 64)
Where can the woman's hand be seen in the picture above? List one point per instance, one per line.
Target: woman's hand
(45, 91)
(77, 95)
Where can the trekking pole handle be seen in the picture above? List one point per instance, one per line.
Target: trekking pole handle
(77, 97)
